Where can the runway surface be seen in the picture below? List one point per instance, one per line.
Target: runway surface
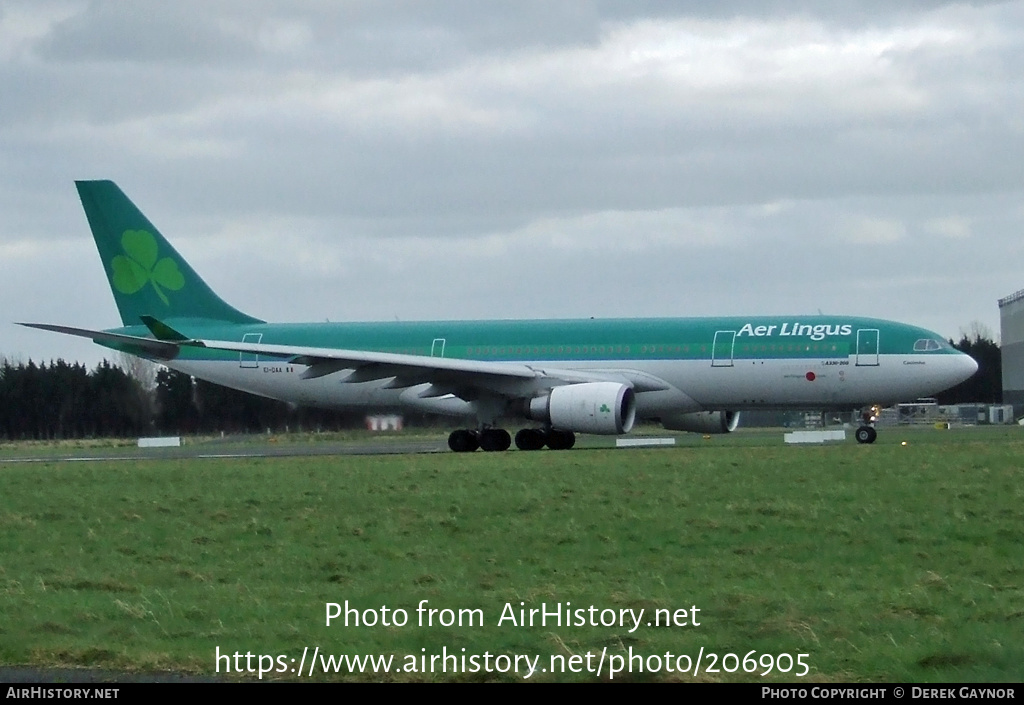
(218, 449)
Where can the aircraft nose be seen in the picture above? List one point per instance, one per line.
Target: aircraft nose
(966, 367)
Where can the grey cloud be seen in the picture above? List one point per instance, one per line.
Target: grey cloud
(430, 160)
(383, 36)
(142, 32)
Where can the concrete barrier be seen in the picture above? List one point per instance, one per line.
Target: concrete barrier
(814, 436)
(639, 442)
(161, 442)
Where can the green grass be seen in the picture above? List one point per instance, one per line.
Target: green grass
(882, 563)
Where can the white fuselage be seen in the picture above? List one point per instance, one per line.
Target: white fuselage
(695, 385)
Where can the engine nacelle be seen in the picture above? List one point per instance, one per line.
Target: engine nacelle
(703, 421)
(606, 408)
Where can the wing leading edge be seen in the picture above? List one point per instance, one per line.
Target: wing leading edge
(467, 379)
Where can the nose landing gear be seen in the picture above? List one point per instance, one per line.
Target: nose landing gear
(867, 433)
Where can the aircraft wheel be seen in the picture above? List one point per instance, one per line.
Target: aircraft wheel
(495, 439)
(866, 434)
(530, 439)
(561, 440)
(463, 441)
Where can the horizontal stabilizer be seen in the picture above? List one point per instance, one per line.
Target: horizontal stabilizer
(162, 331)
(146, 346)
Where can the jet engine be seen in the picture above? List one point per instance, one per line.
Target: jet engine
(605, 408)
(703, 421)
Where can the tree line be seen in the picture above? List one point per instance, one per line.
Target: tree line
(986, 386)
(65, 400)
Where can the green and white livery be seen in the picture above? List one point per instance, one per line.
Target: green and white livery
(557, 377)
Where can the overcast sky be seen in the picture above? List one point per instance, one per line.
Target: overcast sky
(530, 159)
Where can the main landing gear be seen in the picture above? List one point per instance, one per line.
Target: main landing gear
(537, 438)
(490, 439)
(497, 439)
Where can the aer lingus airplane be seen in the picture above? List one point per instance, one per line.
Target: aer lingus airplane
(557, 377)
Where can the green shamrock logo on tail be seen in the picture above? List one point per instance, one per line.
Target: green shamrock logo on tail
(140, 265)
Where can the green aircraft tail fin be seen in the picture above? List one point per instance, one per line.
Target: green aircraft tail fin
(147, 276)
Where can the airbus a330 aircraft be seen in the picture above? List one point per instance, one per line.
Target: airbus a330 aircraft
(557, 377)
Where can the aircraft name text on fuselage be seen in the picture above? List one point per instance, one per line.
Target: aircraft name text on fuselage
(816, 332)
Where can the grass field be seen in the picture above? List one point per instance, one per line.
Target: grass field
(881, 563)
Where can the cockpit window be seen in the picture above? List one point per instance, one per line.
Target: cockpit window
(927, 345)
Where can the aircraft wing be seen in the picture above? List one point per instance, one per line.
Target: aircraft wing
(467, 379)
(463, 378)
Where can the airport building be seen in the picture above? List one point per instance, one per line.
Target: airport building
(1011, 330)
